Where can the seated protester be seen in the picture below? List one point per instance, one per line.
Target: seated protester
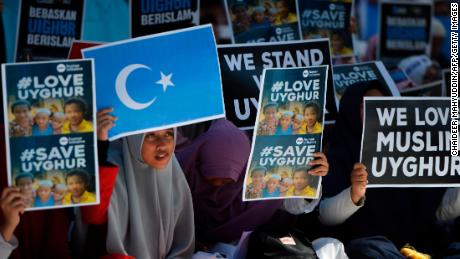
(390, 217)
(145, 200)
(32, 234)
(214, 160)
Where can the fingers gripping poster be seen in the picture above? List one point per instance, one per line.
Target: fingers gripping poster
(288, 133)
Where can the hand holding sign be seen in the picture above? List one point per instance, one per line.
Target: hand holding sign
(358, 182)
(320, 165)
(12, 203)
(105, 122)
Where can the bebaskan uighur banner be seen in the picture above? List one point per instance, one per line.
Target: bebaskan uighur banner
(272, 21)
(404, 29)
(154, 16)
(165, 77)
(287, 134)
(328, 19)
(242, 65)
(350, 74)
(46, 30)
(50, 132)
(406, 142)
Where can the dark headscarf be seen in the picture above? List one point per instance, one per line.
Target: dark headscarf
(396, 213)
(220, 214)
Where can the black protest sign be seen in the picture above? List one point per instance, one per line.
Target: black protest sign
(406, 142)
(404, 30)
(46, 30)
(153, 16)
(350, 74)
(241, 67)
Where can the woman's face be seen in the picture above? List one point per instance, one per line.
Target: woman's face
(73, 113)
(158, 147)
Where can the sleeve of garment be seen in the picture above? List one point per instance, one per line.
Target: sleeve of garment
(337, 209)
(449, 208)
(98, 214)
(299, 206)
(7, 247)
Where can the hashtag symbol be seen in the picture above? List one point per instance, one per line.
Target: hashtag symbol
(27, 155)
(277, 86)
(24, 82)
(266, 151)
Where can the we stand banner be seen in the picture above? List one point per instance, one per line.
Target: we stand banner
(404, 29)
(287, 133)
(46, 29)
(406, 142)
(154, 16)
(242, 65)
(50, 132)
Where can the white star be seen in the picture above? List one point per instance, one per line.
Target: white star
(165, 81)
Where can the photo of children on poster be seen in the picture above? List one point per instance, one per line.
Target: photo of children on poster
(263, 21)
(288, 131)
(152, 16)
(350, 74)
(241, 67)
(50, 132)
(46, 29)
(328, 19)
(404, 30)
(406, 142)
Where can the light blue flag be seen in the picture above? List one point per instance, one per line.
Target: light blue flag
(159, 81)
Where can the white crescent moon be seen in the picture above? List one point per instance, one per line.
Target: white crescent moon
(122, 93)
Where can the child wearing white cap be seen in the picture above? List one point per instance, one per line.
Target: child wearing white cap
(44, 197)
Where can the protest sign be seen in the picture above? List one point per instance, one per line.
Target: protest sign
(78, 45)
(272, 21)
(404, 30)
(288, 132)
(165, 78)
(46, 29)
(242, 65)
(327, 19)
(348, 75)
(406, 142)
(50, 137)
(153, 16)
